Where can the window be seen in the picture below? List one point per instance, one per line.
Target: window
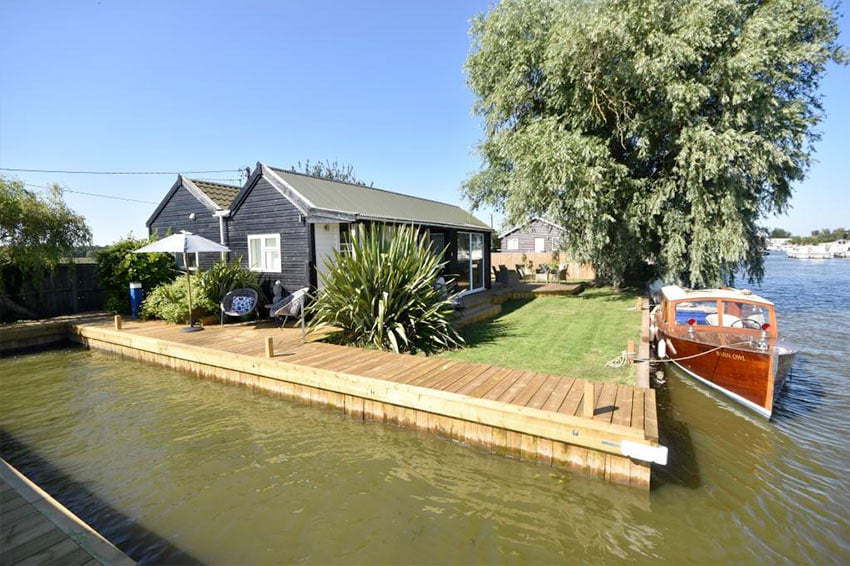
(704, 313)
(539, 245)
(438, 242)
(513, 244)
(264, 252)
(192, 258)
(744, 315)
(345, 239)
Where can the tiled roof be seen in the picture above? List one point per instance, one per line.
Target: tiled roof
(376, 203)
(221, 195)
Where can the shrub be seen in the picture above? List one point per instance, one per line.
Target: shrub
(223, 277)
(169, 301)
(381, 293)
(117, 266)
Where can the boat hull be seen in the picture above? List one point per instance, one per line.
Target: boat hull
(749, 377)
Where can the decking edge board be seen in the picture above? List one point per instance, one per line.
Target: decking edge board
(557, 438)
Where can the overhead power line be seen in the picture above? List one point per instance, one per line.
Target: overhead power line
(101, 195)
(17, 170)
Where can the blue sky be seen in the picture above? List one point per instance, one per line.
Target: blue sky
(171, 86)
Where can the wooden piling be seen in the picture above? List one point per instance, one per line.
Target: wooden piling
(630, 351)
(119, 322)
(269, 347)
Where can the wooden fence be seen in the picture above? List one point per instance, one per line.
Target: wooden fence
(511, 260)
(71, 288)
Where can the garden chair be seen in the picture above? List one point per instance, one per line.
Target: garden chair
(291, 305)
(520, 269)
(239, 302)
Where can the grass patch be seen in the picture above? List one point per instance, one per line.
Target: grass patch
(571, 336)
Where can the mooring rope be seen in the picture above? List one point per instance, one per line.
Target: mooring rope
(623, 358)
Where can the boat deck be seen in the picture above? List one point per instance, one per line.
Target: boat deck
(36, 529)
(531, 414)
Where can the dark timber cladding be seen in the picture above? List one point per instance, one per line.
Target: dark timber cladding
(174, 212)
(526, 234)
(265, 211)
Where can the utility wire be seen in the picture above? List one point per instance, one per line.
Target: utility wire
(101, 195)
(16, 170)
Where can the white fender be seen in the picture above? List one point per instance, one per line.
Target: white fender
(653, 332)
(670, 346)
(661, 348)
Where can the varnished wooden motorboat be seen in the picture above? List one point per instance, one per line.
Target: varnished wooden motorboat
(727, 339)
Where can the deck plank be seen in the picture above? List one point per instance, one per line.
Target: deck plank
(623, 406)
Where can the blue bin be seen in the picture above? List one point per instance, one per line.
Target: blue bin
(137, 295)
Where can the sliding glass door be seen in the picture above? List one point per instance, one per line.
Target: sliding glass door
(470, 261)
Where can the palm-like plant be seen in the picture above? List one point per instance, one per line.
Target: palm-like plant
(382, 293)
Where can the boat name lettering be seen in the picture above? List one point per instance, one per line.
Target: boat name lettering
(731, 355)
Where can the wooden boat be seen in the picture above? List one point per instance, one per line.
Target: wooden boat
(727, 339)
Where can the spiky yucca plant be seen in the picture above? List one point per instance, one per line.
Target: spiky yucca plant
(381, 293)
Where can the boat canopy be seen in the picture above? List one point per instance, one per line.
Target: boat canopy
(676, 293)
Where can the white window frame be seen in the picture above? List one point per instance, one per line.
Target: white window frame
(542, 242)
(190, 256)
(263, 249)
(513, 244)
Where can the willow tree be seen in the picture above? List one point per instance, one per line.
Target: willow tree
(658, 132)
(36, 232)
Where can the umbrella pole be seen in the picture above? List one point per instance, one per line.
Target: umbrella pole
(191, 326)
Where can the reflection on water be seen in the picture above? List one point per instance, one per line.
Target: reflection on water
(172, 468)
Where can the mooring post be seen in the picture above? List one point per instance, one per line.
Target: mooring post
(630, 351)
(588, 399)
(118, 322)
(269, 347)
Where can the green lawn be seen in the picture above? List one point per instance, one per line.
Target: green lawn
(571, 336)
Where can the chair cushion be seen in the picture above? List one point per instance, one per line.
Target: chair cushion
(242, 305)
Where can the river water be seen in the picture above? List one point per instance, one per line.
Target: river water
(176, 469)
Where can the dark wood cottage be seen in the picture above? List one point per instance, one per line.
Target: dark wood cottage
(535, 236)
(196, 206)
(284, 225)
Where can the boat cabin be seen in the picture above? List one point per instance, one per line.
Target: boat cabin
(727, 309)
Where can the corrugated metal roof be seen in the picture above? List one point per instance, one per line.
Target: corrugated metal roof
(221, 195)
(369, 202)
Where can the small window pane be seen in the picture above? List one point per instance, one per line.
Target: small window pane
(513, 244)
(270, 242)
(744, 315)
(703, 312)
(254, 253)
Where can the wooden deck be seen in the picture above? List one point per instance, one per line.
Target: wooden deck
(36, 529)
(529, 414)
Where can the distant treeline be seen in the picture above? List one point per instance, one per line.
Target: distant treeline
(822, 236)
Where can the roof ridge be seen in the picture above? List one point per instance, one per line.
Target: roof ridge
(368, 187)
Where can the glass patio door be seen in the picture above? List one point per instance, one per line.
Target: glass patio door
(470, 261)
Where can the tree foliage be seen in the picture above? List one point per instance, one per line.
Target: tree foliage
(656, 131)
(780, 233)
(35, 234)
(822, 236)
(382, 293)
(333, 171)
(118, 266)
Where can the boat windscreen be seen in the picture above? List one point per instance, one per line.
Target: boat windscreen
(703, 312)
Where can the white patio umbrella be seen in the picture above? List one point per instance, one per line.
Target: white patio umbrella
(184, 243)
